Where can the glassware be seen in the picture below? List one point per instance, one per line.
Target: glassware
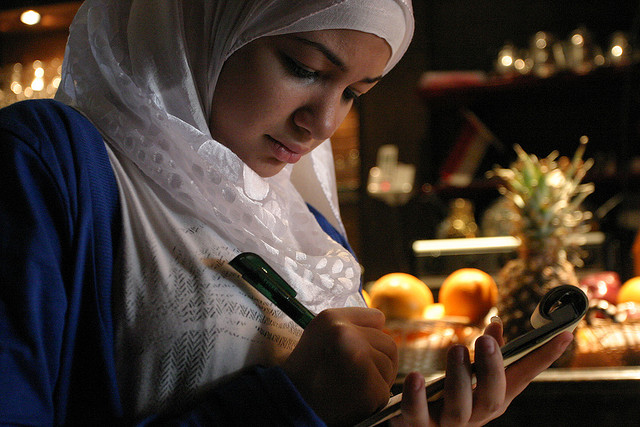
(619, 52)
(541, 51)
(460, 222)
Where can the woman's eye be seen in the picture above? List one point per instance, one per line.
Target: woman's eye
(297, 69)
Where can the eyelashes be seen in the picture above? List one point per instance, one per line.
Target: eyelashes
(298, 70)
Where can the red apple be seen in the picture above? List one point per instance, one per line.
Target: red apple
(603, 285)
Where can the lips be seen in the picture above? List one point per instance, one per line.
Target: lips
(286, 153)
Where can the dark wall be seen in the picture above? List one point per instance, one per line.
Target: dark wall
(465, 35)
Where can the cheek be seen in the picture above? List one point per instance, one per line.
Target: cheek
(251, 101)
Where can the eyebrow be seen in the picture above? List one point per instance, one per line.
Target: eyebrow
(332, 57)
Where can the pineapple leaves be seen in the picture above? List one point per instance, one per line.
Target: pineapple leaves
(547, 192)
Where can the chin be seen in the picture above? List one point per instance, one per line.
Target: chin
(267, 171)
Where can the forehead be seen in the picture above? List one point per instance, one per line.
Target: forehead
(351, 48)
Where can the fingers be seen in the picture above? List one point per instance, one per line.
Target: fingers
(457, 406)
(522, 372)
(415, 411)
(495, 388)
(490, 391)
(344, 364)
(494, 329)
(357, 333)
(361, 316)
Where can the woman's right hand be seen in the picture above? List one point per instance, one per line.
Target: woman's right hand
(344, 364)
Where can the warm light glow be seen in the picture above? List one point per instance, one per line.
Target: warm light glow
(469, 245)
(577, 39)
(30, 17)
(616, 50)
(16, 87)
(42, 82)
(506, 60)
(483, 245)
(519, 64)
(37, 84)
(541, 43)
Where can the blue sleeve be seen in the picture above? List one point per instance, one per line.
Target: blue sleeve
(53, 288)
(32, 297)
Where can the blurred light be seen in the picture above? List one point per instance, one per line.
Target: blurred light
(30, 17)
(39, 72)
(37, 84)
(519, 64)
(541, 43)
(577, 39)
(506, 60)
(616, 50)
(16, 87)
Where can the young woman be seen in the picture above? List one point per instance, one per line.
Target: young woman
(185, 132)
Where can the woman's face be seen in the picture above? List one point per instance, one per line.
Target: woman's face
(277, 98)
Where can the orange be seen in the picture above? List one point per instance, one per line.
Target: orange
(468, 292)
(400, 296)
(630, 291)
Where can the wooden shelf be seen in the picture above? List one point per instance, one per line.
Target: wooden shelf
(498, 86)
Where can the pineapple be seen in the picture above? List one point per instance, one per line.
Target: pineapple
(545, 194)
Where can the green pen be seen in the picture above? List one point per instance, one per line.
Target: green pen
(263, 278)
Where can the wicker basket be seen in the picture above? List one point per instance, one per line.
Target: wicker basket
(610, 336)
(423, 344)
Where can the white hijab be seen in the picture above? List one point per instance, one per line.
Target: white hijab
(144, 73)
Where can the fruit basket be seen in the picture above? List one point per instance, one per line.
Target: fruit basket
(610, 336)
(423, 344)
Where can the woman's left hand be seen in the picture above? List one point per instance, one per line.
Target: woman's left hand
(462, 404)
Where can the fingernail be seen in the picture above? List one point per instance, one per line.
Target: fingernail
(416, 382)
(457, 353)
(496, 319)
(486, 344)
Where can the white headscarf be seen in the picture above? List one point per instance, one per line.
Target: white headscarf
(144, 73)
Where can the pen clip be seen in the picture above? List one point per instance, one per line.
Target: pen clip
(269, 283)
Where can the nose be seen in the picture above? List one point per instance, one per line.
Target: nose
(320, 116)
